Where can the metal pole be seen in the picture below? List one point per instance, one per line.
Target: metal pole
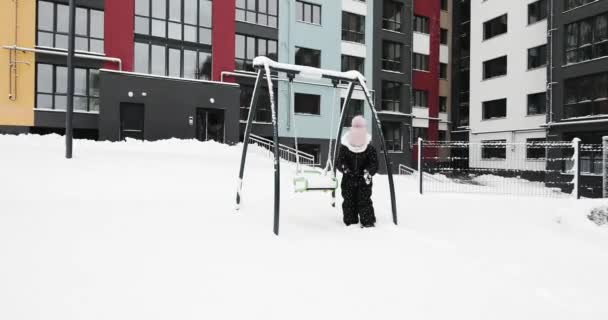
(387, 161)
(605, 167)
(70, 64)
(343, 114)
(252, 108)
(576, 142)
(420, 165)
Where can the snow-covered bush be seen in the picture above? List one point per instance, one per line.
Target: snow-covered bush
(599, 215)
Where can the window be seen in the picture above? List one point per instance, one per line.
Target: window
(51, 88)
(391, 15)
(184, 20)
(443, 36)
(391, 56)
(495, 68)
(494, 149)
(421, 99)
(495, 27)
(421, 24)
(355, 109)
(587, 39)
(586, 96)
(420, 132)
(308, 57)
(443, 135)
(571, 4)
(391, 96)
(263, 112)
(353, 27)
(312, 149)
(308, 12)
(443, 104)
(537, 57)
(443, 70)
(494, 109)
(172, 61)
(307, 103)
(353, 63)
(392, 136)
(421, 62)
(537, 103)
(444, 5)
(53, 27)
(536, 148)
(262, 12)
(537, 11)
(248, 47)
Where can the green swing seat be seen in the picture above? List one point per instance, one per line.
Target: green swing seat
(314, 179)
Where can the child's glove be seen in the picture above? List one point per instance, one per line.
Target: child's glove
(367, 177)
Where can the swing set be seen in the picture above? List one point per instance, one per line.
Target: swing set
(308, 178)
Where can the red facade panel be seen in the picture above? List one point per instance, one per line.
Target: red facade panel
(223, 38)
(429, 81)
(118, 30)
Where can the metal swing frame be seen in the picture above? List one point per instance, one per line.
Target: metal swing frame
(353, 79)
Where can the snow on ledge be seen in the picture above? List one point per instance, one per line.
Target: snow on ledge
(305, 71)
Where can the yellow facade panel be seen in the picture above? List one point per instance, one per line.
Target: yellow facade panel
(17, 69)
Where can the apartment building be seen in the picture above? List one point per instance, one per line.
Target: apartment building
(508, 79)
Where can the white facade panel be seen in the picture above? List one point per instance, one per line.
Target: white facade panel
(422, 43)
(355, 6)
(354, 49)
(444, 54)
(519, 81)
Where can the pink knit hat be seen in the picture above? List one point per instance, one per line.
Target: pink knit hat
(357, 136)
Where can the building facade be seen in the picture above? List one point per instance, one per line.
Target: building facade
(146, 46)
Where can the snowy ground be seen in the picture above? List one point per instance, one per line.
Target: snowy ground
(148, 231)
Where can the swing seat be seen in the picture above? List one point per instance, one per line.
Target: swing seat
(314, 180)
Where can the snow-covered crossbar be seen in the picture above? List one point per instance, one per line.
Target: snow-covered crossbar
(265, 67)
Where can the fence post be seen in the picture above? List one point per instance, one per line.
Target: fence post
(576, 144)
(420, 165)
(605, 166)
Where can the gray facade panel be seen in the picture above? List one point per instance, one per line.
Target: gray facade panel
(56, 119)
(169, 105)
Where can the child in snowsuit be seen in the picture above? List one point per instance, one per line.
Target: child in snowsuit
(358, 162)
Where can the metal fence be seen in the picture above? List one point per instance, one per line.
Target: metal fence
(544, 169)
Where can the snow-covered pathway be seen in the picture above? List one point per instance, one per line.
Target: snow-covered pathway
(148, 231)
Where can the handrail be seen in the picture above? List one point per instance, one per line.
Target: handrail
(405, 170)
(286, 153)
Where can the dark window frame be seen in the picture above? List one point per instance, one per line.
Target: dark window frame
(391, 103)
(202, 73)
(55, 33)
(395, 19)
(537, 57)
(316, 52)
(495, 27)
(245, 63)
(244, 12)
(420, 98)
(586, 96)
(348, 34)
(202, 27)
(391, 56)
(535, 108)
(537, 11)
(351, 62)
(592, 44)
(309, 6)
(316, 108)
(493, 68)
(91, 96)
(420, 62)
(393, 136)
(489, 109)
(536, 149)
(494, 149)
(421, 24)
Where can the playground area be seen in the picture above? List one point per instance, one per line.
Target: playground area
(149, 230)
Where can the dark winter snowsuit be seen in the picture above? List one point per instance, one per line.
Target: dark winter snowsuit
(357, 169)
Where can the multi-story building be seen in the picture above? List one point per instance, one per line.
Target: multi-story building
(508, 79)
(460, 57)
(156, 69)
(392, 74)
(578, 77)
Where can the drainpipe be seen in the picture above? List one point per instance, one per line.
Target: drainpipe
(65, 54)
(12, 82)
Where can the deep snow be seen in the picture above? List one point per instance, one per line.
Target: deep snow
(148, 231)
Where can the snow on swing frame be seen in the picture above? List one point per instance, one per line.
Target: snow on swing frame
(264, 66)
